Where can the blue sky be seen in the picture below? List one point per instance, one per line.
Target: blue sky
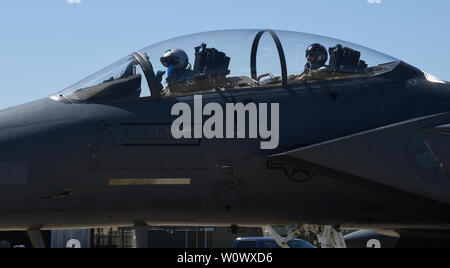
(47, 45)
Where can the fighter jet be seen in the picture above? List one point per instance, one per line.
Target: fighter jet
(232, 128)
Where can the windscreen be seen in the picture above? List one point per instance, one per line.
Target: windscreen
(123, 79)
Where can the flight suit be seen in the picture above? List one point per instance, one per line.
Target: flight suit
(316, 75)
(321, 74)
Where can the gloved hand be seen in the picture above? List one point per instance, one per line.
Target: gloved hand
(159, 76)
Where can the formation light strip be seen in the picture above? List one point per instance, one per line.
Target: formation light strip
(146, 181)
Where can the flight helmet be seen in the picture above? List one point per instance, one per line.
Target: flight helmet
(176, 58)
(320, 53)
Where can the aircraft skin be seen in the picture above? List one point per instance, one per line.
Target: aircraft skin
(63, 163)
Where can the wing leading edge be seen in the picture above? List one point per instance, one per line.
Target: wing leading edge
(412, 156)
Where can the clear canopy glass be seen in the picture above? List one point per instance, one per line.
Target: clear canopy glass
(234, 72)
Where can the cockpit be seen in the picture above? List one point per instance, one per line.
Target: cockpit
(227, 60)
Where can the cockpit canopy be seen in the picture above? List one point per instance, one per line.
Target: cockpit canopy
(225, 60)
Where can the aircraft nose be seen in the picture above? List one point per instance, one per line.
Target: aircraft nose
(24, 115)
(24, 127)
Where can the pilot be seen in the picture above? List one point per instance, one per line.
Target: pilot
(315, 68)
(178, 68)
